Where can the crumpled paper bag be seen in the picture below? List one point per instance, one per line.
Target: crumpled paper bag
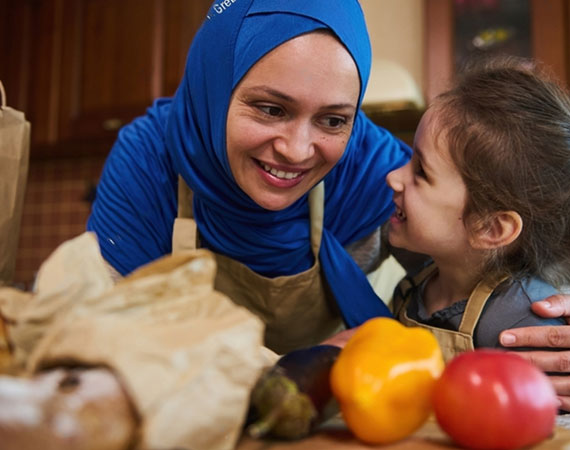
(187, 355)
(14, 161)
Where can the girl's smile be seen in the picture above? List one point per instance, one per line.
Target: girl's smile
(398, 217)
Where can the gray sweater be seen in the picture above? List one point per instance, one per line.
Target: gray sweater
(508, 307)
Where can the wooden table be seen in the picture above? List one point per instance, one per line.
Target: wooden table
(335, 436)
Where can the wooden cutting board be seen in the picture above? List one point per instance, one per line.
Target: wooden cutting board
(335, 436)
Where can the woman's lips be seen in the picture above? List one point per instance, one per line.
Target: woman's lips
(279, 177)
(280, 173)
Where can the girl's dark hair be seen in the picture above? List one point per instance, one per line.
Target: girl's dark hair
(507, 125)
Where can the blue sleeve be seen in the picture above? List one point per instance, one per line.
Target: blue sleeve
(135, 205)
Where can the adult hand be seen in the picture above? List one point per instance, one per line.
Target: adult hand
(340, 339)
(556, 337)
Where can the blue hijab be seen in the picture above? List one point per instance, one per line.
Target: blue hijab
(235, 35)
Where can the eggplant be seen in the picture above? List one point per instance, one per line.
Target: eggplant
(294, 396)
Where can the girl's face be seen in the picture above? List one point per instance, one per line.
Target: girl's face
(290, 118)
(430, 197)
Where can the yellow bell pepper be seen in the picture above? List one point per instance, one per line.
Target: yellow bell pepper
(383, 379)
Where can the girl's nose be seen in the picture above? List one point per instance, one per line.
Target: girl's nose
(395, 179)
(296, 145)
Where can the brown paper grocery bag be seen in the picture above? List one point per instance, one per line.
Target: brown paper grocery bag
(14, 160)
(186, 354)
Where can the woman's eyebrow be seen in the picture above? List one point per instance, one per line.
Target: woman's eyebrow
(278, 94)
(270, 91)
(350, 106)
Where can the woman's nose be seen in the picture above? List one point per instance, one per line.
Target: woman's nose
(296, 144)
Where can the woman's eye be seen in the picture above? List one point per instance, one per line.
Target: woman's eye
(270, 110)
(334, 121)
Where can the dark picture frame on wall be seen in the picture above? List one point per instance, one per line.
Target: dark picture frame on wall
(458, 29)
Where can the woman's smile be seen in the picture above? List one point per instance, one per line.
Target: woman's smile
(281, 173)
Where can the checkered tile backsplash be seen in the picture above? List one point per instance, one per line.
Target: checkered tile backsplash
(56, 207)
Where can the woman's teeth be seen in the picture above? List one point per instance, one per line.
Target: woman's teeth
(280, 173)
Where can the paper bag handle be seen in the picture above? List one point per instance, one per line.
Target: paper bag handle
(2, 96)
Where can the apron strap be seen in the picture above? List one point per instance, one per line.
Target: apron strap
(404, 288)
(476, 303)
(2, 96)
(317, 213)
(185, 196)
(184, 230)
(316, 208)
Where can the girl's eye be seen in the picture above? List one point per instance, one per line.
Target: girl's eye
(419, 170)
(270, 110)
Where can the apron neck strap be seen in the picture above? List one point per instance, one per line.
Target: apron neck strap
(316, 208)
(476, 303)
(2, 96)
(185, 196)
(317, 213)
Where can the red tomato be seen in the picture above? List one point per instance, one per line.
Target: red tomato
(490, 399)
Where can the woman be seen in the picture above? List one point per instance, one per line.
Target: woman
(267, 109)
(251, 141)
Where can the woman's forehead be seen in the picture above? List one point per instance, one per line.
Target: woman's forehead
(279, 22)
(307, 65)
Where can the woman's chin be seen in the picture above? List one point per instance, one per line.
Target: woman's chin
(275, 203)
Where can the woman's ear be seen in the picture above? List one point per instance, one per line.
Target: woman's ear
(497, 231)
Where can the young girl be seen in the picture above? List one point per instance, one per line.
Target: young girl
(487, 196)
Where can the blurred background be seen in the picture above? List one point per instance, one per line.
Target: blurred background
(80, 69)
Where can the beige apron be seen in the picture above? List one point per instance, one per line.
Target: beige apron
(451, 342)
(298, 310)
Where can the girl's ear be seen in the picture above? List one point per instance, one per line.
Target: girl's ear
(497, 231)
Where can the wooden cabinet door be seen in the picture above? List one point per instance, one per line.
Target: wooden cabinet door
(119, 57)
(110, 56)
(29, 34)
(182, 18)
(80, 69)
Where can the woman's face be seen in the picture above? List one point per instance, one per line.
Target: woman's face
(290, 118)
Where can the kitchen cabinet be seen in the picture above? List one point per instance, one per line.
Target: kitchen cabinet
(548, 35)
(80, 69)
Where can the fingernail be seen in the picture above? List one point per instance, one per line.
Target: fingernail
(547, 304)
(507, 339)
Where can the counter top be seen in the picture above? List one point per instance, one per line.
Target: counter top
(335, 436)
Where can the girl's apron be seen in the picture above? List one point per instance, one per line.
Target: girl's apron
(451, 342)
(298, 310)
